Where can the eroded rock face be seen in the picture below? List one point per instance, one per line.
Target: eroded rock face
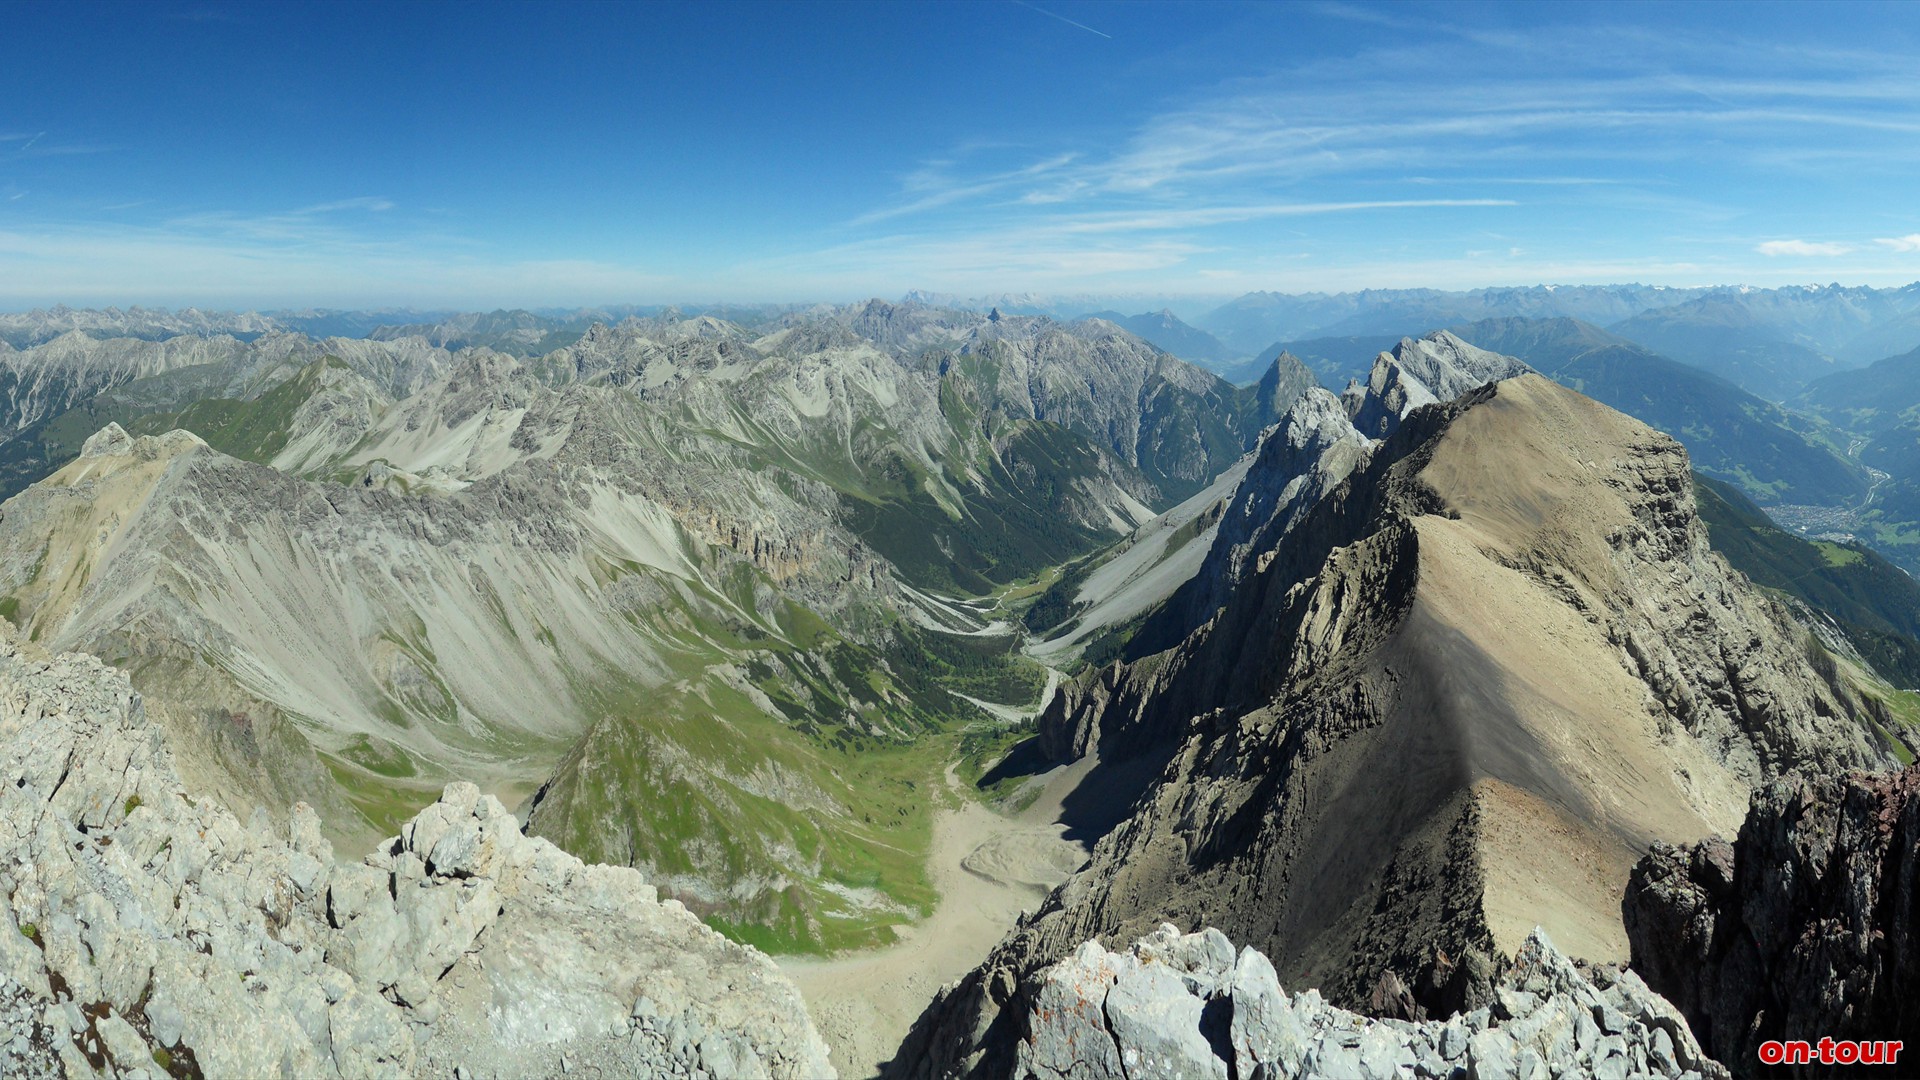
(1807, 925)
(1436, 368)
(1187, 1005)
(144, 931)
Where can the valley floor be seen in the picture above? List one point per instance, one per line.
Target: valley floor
(989, 867)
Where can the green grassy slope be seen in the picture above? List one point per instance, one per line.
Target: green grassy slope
(814, 818)
(1876, 603)
(254, 430)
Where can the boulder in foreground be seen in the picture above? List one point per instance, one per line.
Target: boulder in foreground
(146, 934)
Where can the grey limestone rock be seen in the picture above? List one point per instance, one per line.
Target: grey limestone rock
(1141, 1012)
(1435, 368)
(143, 930)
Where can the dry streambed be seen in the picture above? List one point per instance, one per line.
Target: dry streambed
(988, 868)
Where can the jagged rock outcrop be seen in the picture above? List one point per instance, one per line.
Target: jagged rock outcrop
(1805, 926)
(1186, 1005)
(145, 933)
(1454, 701)
(1438, 367)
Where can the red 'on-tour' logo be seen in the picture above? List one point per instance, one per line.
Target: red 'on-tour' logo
(1830, 1051)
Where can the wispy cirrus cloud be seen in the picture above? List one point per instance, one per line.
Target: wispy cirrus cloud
(373, 203)
(1802, 248)
(319, 223)
(934, 185)
(1909, 242)
(34, 144)
(1556, 128)
(1123, 221)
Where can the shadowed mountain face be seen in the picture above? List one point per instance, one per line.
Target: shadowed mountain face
(1803, 923)
(1451, 700)
(1164, 329)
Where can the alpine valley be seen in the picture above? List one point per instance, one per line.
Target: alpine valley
(1399, 683)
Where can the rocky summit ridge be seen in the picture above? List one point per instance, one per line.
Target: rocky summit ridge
(1186, 1005)
(1451, 700)
(145, 933)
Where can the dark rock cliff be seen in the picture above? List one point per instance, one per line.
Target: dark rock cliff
(1807, 925)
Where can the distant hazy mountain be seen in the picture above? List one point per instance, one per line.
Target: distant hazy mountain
(521, 333)
(1763, 339)
(1878, 408)
(1730, 433)
(1853, 324)
(1721, 335)
(1066, 306)
(1195, 346)
(1869, 399)
(329, 322)
(29, 328)
(1336, 361)
(1257, 320)
(1775, 342)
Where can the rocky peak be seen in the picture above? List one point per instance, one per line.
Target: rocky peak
(1435, 368)
(112, 439)
(1299, 460)
(1509, 609)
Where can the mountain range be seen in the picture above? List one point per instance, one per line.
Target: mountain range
(522, 572)
(1400, 689)
(1770, 342)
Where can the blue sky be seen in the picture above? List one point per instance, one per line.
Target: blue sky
(483, 155)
